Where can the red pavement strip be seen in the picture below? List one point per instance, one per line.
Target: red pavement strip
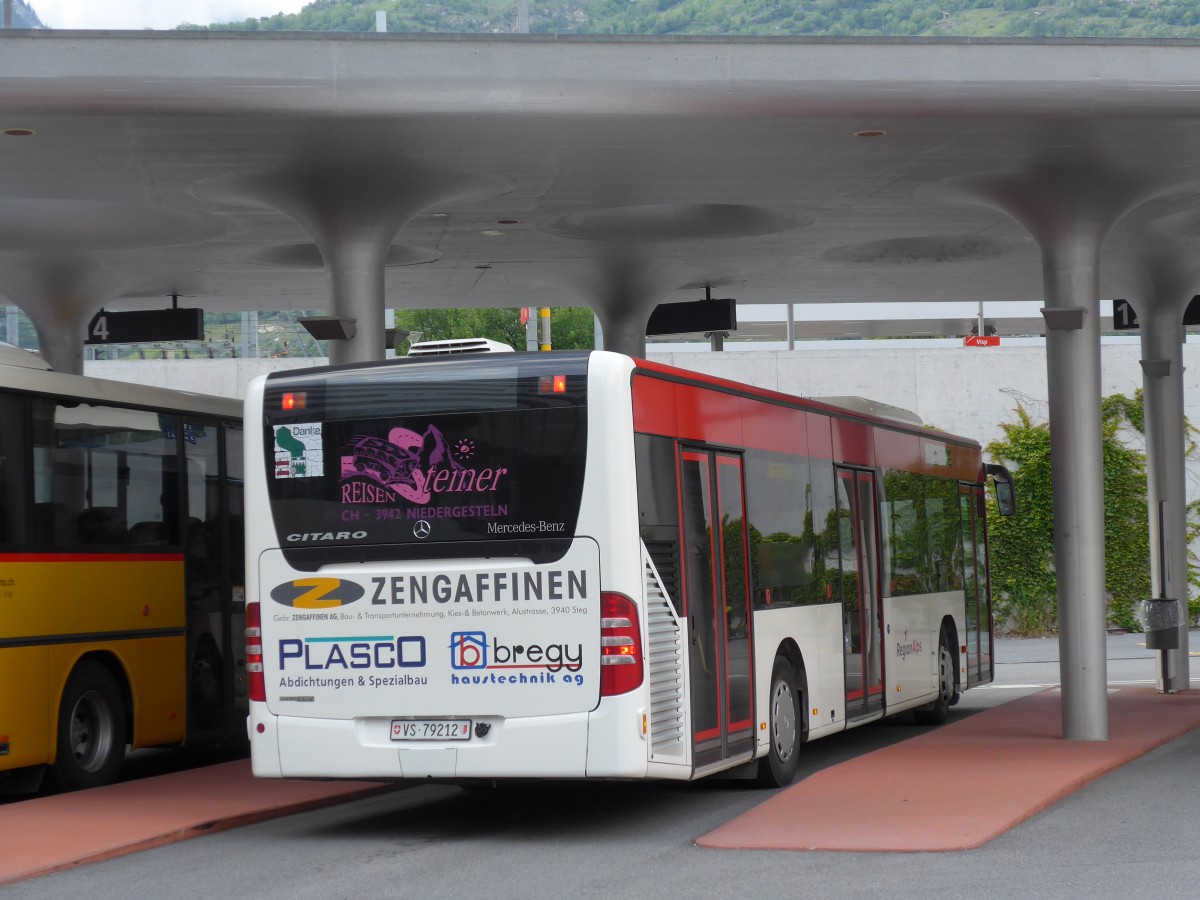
(48, 834)
(961, 785)
(954, 788)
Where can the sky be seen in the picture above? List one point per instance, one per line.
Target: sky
(160, 14)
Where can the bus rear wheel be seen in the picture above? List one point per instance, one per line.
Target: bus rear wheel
(937, 712)
(91, 729)
(778, 767)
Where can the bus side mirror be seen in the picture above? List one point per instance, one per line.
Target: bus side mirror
(1006, 495)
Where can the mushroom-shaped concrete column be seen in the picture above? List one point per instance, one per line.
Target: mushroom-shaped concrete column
(1162, 274)
(1069, 208)
(60, 298)
(65, 259)
(623, 289)
(624, 294)
(352, 204)
(646, 253)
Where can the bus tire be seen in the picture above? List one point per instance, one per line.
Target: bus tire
(91, 729)
(778, 767)
(937, 712)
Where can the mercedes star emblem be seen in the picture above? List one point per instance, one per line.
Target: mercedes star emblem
(422, 529)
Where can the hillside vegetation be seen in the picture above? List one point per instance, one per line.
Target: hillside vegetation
(968, 18)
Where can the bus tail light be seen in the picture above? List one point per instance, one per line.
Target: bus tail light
(621, 667)
(254, 654)
(294, 401)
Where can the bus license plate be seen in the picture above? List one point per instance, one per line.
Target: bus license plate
(431, 729)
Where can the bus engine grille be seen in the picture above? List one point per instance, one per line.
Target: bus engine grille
(665, 660)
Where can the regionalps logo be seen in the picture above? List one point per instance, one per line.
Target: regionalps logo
(316, 593)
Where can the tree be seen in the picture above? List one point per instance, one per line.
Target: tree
(1022, 546)
(571, 328)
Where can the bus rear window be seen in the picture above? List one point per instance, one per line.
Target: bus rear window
(427, 452)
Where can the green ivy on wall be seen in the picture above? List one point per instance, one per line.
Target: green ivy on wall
(1022, 546)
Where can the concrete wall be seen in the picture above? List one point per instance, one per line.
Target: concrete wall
(966, 391)
(222, 377)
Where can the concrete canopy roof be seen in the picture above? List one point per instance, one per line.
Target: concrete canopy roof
(294, 171)
(611, 172)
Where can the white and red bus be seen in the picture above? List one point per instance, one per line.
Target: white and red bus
(583, 565)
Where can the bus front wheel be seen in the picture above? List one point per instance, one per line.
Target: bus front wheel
(91, 729)
(778, 767)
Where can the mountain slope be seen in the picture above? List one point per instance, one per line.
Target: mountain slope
(974, 18)
(24, 16)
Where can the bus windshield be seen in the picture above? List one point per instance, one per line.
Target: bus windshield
(418, 453)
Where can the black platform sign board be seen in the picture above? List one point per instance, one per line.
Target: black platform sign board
(693, 316)
(1124, 317)
(146, 326)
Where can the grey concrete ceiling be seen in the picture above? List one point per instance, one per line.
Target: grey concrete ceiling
(534, 170)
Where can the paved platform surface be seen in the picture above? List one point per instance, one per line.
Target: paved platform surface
(49, 834)
(1010, 761)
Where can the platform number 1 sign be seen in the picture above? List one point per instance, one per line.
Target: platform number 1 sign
(1124, 318)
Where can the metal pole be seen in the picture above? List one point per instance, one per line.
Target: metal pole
(544, 318)
(791, 326)
(1162, 335)
(531, 330)
(8, 13)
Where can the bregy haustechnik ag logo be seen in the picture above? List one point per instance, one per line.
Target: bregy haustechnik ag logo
(472, 651)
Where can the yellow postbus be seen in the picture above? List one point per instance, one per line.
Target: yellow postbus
(121, 573)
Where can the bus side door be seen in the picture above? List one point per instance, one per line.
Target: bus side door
(717, 604)
(975, 584)
(862, 612)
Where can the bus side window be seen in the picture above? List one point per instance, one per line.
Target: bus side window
(101, 525)
(658, 508)
(58, 489)
(14, 475)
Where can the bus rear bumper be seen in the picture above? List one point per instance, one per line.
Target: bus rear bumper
(536, 747)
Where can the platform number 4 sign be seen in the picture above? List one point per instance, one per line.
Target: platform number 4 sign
(99, 329)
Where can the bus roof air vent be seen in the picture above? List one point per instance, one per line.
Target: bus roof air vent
(458, 347)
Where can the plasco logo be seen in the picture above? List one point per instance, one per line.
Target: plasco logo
(468, 650)
(316, 593)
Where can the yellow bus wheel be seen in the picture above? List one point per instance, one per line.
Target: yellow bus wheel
(91, 729)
